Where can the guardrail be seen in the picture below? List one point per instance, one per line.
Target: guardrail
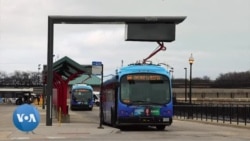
(223, 113)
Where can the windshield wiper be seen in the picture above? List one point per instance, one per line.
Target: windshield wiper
(137, 102)
(144, 102)
(156, 103)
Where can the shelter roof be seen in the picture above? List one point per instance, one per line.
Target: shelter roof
(67, 67)
(86, 79)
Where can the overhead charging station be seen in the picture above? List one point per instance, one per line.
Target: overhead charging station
(150, 28)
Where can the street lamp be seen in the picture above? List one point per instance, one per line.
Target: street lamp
(191, 61)
(185, 84)
(172, 72)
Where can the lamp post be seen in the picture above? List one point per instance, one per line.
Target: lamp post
(172, 73)
(185, 84)
(191, 61)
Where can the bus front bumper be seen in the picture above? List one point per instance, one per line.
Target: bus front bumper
(151, 121)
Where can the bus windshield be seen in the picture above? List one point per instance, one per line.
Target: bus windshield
(82, 95)
(145, 89)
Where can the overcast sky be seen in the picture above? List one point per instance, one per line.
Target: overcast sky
(216, 32)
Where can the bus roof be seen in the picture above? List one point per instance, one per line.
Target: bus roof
(82, 86)
(141, 68)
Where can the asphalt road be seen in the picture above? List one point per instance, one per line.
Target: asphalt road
(84, 126)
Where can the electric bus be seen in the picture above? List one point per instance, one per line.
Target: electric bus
(139, 94)
(81, 97)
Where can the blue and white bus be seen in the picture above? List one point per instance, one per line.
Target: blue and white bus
(139, 94)
(81, 97)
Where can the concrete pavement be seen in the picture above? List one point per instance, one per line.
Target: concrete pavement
(83, 127)
(57, 131)
(65, 131)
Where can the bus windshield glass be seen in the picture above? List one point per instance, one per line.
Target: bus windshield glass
(145, 89)
(82, 95)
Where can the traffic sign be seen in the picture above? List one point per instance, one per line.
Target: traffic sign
(26, 117)
(96, 63)
(97, 67)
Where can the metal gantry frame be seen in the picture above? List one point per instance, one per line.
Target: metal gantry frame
(90, 20)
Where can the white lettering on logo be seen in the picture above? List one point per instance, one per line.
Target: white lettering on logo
(22, 117)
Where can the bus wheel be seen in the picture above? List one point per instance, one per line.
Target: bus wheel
(160, 127)
(18, 102)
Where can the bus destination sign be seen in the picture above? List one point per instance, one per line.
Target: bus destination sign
(144, 77)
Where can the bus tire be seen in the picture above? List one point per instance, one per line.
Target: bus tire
(18, 102)
(160, 127)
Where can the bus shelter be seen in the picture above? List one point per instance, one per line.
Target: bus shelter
(65, 70)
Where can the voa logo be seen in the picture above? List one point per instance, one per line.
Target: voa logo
(26, 117)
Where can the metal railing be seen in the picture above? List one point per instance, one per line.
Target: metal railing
(223, 113)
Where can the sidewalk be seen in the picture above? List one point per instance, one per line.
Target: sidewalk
(56, 131)
(65, 131)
